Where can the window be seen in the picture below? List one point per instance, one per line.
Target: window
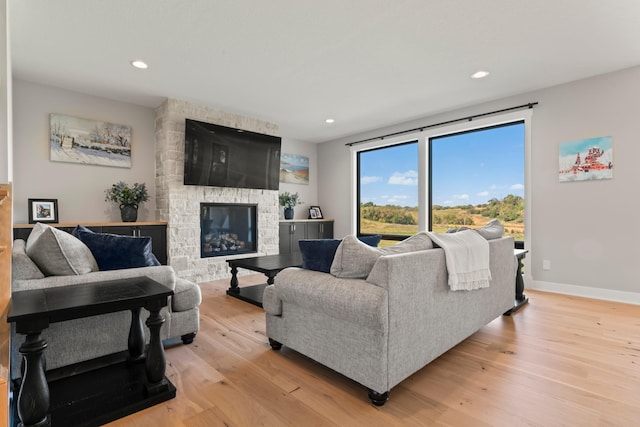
(464, 174)
(388, 191)
(476, 176)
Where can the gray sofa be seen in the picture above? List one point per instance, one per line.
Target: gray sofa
(381, 329)
(79, 340)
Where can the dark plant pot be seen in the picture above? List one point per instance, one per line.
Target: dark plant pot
(129, 213)
(288, 213)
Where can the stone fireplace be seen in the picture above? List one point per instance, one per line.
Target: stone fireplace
(180, 205)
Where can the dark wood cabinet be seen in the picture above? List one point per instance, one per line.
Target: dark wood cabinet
(293, 231)
(157, 230)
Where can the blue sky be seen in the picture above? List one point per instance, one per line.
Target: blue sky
(469, 168)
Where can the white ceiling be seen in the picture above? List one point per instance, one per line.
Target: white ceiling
(365, 63)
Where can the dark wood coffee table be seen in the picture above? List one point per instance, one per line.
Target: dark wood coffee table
(269, 265)
(97, 396)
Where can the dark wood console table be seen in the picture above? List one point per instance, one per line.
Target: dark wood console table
(269, 265)
(89, 399)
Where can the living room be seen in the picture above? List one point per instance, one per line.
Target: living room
(581, 228)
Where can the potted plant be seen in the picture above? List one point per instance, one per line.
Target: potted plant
(289, 200)
(129, 198)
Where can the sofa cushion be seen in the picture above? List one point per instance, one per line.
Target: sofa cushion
(58, 253)
(114, 252)
(186, 295)
(317, 254)
(22, 267)
(354, 259)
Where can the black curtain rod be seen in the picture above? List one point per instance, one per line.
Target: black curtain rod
(448, 122)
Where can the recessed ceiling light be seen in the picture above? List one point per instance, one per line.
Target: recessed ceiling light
(479, 74)
(139, 64)
(329, 121)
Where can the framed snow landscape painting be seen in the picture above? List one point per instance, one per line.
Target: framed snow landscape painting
(92, 142)
(586, 160)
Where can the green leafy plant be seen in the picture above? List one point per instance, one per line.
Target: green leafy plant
(289, 200)
(122, 194)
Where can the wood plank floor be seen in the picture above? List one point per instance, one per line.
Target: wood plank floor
(559, 361)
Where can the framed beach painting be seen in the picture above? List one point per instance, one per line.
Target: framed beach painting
(586, 159)
(91, 142)
(294, 169)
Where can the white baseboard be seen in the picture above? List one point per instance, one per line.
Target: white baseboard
(588, 292)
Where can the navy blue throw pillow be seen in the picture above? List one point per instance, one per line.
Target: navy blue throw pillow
(114, 252)
(317, 254)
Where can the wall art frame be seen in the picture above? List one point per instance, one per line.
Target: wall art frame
(93, 142)
(294, 169)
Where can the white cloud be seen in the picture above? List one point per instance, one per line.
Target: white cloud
(447, 202)
(483, 194)
(370, 179)
(461, 196)
(517, 187)
(404, 178)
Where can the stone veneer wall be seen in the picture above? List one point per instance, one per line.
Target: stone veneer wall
(179, 204)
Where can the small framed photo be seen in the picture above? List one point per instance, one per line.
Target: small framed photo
(318, 212)
(312, 213)
(43, 210)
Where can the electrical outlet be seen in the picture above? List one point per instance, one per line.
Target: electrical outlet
(546, 264)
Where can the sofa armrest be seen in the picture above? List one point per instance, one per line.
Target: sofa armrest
(163, 274)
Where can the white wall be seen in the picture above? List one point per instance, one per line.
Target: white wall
(79, 188)
(588, 230)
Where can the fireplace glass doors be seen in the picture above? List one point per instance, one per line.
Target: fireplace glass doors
(227, 229)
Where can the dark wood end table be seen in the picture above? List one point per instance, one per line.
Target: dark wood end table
(521, 298)
(32, 311)
(269, 265)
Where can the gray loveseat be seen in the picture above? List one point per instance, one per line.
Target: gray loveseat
(88, 338)
(381, 329)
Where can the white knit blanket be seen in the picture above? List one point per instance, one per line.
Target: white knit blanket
(467, 256)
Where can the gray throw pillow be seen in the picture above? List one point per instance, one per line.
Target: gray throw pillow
(491, 230)
(355, 259)
(58, 253)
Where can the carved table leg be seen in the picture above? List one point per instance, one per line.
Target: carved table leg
(136, 336)
(234, 280)
(155, 364)
(271, 276)
(33, 399)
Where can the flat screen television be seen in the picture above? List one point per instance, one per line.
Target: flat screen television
(221, 156)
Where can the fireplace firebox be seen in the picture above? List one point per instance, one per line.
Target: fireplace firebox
(227, 229)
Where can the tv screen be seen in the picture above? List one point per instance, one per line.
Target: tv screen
(221, 156)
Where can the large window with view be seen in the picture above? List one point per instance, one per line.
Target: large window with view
(388, 191)
(470, 178)
(477, 176)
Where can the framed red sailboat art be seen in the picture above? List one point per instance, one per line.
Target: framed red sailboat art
(586, 160)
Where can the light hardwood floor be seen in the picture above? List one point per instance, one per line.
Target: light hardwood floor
(559, 361)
